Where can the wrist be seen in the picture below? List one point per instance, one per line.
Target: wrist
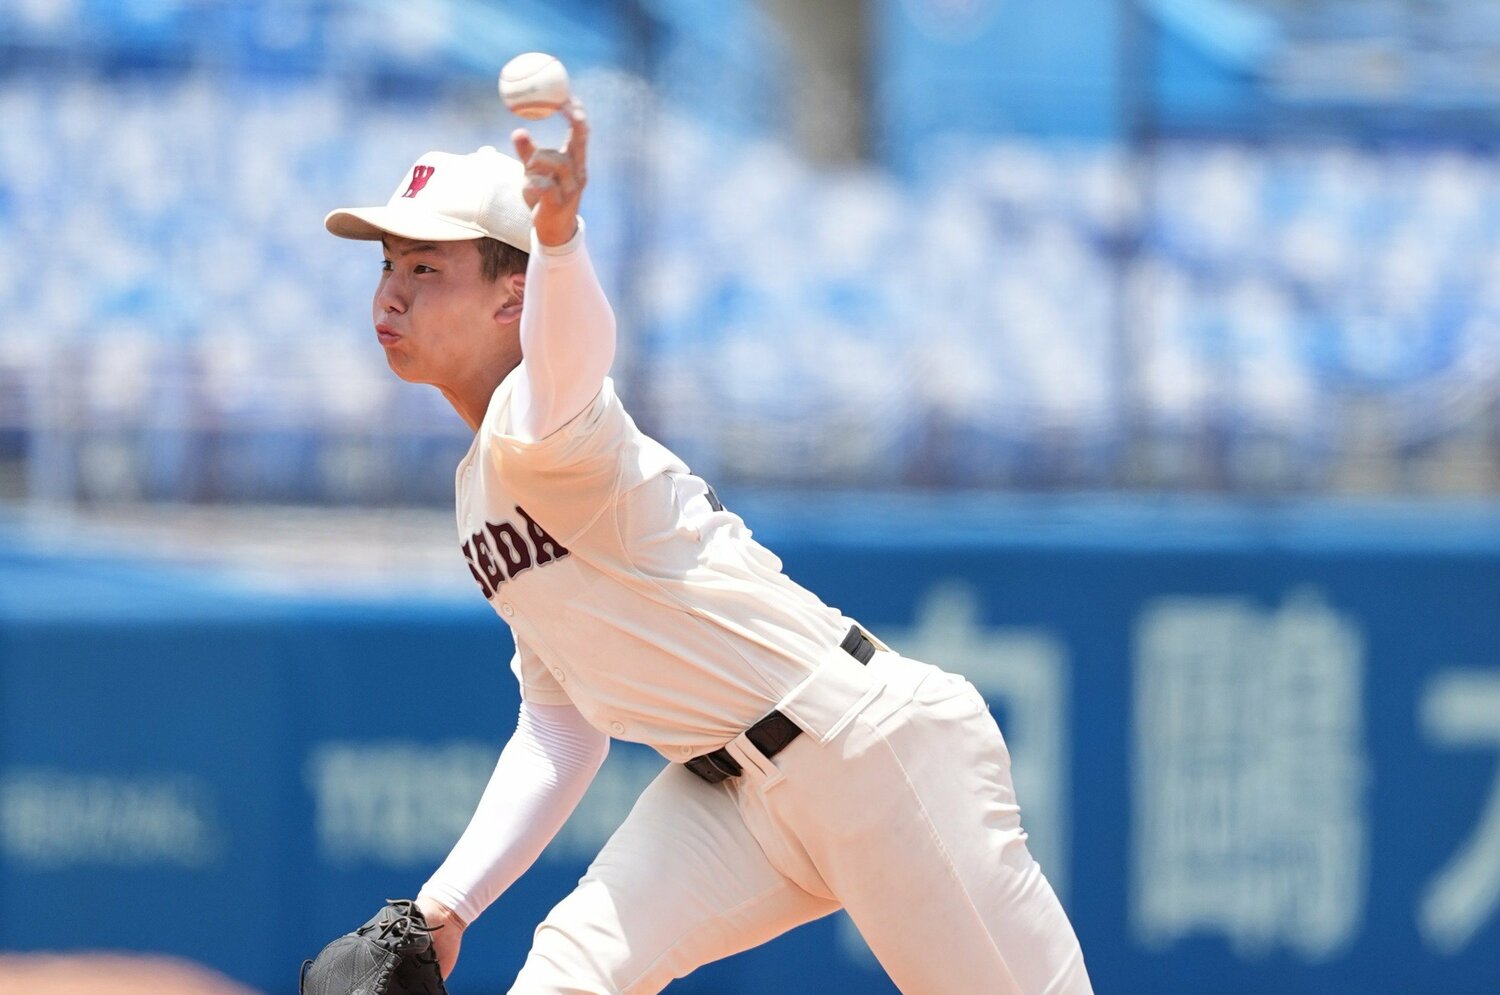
(438, 914)
(558, 239)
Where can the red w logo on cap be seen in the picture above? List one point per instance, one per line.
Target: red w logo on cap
(419, 177)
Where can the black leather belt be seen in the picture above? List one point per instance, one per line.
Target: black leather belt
(772, 733)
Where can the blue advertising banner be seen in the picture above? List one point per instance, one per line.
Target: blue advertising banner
(1258, 750)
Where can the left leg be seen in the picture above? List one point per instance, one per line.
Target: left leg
(910, 816)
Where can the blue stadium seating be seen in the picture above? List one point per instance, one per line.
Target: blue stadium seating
(1038, 313)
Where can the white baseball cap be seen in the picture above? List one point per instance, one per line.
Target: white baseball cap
(446, 197)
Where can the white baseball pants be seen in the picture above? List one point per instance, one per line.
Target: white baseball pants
(896, 803)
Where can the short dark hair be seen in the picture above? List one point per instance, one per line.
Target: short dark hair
(497, 259)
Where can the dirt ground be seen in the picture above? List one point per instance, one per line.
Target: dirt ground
(111, 974)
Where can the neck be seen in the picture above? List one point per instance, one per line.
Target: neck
(472, 399)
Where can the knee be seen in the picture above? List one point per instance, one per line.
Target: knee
(582, 949)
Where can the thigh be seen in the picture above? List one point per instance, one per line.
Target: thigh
(681, 883)
(911, 817)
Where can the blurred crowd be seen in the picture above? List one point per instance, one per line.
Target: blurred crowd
(1261, 317)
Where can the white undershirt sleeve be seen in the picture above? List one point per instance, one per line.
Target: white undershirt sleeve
(542, 773)
(567, 338)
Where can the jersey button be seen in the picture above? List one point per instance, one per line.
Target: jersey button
(686, 751)
(507, 609)
(617, 727)
(558, 673)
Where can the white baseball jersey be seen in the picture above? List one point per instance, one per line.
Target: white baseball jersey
(641, 605)
(631, 592)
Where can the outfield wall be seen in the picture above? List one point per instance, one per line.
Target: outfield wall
(1257, 748)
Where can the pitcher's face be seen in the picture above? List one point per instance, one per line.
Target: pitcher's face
(434, 312)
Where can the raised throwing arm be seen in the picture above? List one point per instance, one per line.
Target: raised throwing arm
(567, 326)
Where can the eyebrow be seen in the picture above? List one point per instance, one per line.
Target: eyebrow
(419, 247)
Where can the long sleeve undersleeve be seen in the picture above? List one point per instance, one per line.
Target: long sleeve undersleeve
(567, 338)
(542, 773)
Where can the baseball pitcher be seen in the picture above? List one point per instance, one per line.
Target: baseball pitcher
(812, 768)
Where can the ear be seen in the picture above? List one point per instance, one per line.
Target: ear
(514, 296)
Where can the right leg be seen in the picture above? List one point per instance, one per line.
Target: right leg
(681, 883)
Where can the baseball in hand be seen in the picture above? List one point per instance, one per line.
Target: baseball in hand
(534, 85)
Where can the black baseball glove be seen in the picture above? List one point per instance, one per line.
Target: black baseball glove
(389, 955)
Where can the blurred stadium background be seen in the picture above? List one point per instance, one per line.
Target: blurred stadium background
(1140, 358)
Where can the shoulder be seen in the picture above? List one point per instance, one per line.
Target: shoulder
(499, 428)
